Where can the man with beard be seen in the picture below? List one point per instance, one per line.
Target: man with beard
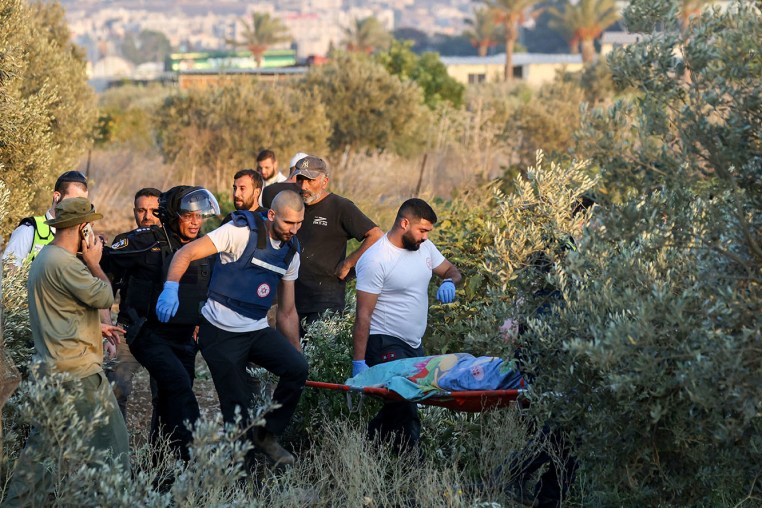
(267, 165)
(257, 260)
(269, 192)
(247, 190)
(392, 306)
(330, 221)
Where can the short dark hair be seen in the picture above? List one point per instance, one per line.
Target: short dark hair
(416, 209)
(67, 179)
(255, 175)
(149, 192)
(266, 154)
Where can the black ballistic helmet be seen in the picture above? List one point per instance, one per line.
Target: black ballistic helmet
(185, 198)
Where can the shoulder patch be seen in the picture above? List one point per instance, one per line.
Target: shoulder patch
(121, 244)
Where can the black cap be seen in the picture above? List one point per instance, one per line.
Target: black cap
(70, 176)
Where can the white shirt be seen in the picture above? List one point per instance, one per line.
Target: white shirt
(21, 241)
(276, 178)
(230, 242)
(400, 278)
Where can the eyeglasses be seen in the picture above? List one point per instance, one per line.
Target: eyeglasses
(191, 217)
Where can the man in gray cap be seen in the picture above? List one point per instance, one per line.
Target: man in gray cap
(33, 233)
(329, 222)
(65, 294)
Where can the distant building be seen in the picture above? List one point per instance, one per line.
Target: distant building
(196, 79)
(611, 40)
(232, 59)
(532, 68)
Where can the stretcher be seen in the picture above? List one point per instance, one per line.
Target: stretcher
(472, 401)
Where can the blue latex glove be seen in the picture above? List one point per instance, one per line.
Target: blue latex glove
(168, 302)
(358, 367)
(446, 292)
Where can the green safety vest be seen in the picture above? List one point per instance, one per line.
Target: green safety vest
(42, 236)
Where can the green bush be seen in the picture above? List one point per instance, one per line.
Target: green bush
(369, 108)
(329, 355)
(495, 239)
(427, 70)
(212, 133)
(340, 468)
(46, 107)
(652, 362)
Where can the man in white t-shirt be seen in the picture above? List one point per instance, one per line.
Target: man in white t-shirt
(392, 306)
(258, 260)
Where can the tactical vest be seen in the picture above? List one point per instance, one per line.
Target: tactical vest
(43, 235)
(142, 295)
(249, 284)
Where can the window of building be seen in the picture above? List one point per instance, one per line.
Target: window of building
(476, 78)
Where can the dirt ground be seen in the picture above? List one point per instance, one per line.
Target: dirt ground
(139, 403)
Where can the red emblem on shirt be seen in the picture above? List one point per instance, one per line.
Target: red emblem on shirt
(263, 290)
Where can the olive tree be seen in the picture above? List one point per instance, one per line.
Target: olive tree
(46, 108)
(209, 134)
(651, 358)
(369, 108)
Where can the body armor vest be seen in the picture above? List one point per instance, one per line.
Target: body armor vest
(249, 284)
(142, 293)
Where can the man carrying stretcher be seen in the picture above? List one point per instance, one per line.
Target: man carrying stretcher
(392, 306)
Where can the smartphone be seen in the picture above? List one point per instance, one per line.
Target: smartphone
(87, 234)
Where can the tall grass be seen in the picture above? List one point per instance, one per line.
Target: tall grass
(340, 468)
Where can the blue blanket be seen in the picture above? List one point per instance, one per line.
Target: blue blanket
(420, 378)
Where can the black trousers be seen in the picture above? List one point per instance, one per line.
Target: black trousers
(171, 362)
(549, 448)
(397, 422)
(228, 354)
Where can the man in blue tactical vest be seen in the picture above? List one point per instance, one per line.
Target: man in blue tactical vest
(166, 348)
(32, 234)
(258, 259)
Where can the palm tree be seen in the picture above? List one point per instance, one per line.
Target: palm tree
(483, 33)
(366, 35)
(510, 14)
(260, 34)
(583, 22)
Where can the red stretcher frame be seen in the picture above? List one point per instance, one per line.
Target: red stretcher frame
(469, 401)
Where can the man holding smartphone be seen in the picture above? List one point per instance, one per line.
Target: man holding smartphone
(65, 294)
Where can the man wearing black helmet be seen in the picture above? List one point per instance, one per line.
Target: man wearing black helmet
(166, 350)
(32, 234)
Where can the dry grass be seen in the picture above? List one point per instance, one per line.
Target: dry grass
(377, 183)
(115, 175)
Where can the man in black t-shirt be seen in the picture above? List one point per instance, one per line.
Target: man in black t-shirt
(329, 222)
